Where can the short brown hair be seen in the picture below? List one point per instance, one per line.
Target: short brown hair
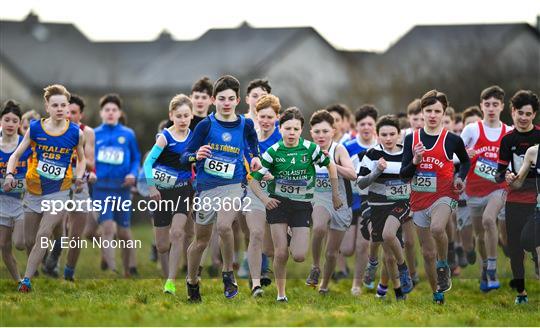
(110, 98)
(291, 113)
(431, 97)
(450, 112)
(55, 89)
(203, 85)
(414, 108)
(266, 101)
(494, 91)
(472, 111)
(322, 115)
(180, 100)
(387, 120)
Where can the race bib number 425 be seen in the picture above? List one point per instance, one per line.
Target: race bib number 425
(111, 155)
(424, 182)
(51, 170)
(220, 167)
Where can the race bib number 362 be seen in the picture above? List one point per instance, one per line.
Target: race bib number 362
(424, 182)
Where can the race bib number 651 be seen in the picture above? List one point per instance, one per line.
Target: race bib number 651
(220, 167)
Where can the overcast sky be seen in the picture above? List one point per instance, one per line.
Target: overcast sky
(347, 24)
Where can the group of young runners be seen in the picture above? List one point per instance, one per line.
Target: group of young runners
(354, 188)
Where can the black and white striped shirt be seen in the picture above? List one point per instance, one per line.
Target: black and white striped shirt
(386, 187)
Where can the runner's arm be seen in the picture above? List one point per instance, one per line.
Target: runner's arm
(251, 137)
(81, 159)
(528, 161)
(151, 158)
(14, 158)
(505, 156)
(89, 148)
(199, 134)
(461, 153)
(345, 167)
(407, 167)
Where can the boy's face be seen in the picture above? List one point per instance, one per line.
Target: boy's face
(201, 102)
(254, 95)
(433, 115)
(458, 128)
(74, 113)
(181, 117)
(448, 123)
(416, 121)
(388, 136)
(338, 121)
(226, 102)
(472, 119)
(491, 108)
(523, 117)
(110, 113)
(57, 107)
(322, 133)
(290, 131)
(366, 128)
(267, 119)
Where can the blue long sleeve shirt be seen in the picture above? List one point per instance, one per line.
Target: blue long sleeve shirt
(117, 155)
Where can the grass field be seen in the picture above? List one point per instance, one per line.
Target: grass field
(101, 299)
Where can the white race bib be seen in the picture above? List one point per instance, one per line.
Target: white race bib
(291, 188)
(164, 177)
(111, 155)
(51, 170)
(322, 183)
(220, 166)
(424, 182)
(19, 184)
(397, 190)
(486, 169)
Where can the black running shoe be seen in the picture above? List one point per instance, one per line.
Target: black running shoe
(230, 288)
(265, 278)
(257, 292)
(462, 260)
(313, 278)
(471, 257)
(444, 282)
(194, 295)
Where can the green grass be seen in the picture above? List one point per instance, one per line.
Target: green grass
(101, 299)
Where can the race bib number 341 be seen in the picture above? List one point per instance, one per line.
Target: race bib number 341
(424, 182)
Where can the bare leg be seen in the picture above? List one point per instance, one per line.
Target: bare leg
(256, 224)
(333, 243)
(281, 255)
(31, 226)
(225, 230)
(196, 249)
(407, 229)
(7, 255)
(361, 258)
(109, 230)
(177, 235)
(77, 222)
(163, 246)
(320, 217)
(429, 252)
(125, 234)
(440, 217)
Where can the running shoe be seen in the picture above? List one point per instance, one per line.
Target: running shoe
(69, 273)
(257, 292)
(369, 276)
(401, 297)
(444, 281)
(133, 272)
(356, 291)
(406, 281)
(169, 287)
(323, 291)
(415, 279)
(153, 253)
(25, 285)
(438, 298)
(282, 299)
(338, 275)
(484, 281)
(521, 299)
(492, 281)
(462, 259)
(381, 292)
(471, 257)
(230, 288)
(194, 295)
(266, 280)
(50, 267)
(313, 278)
